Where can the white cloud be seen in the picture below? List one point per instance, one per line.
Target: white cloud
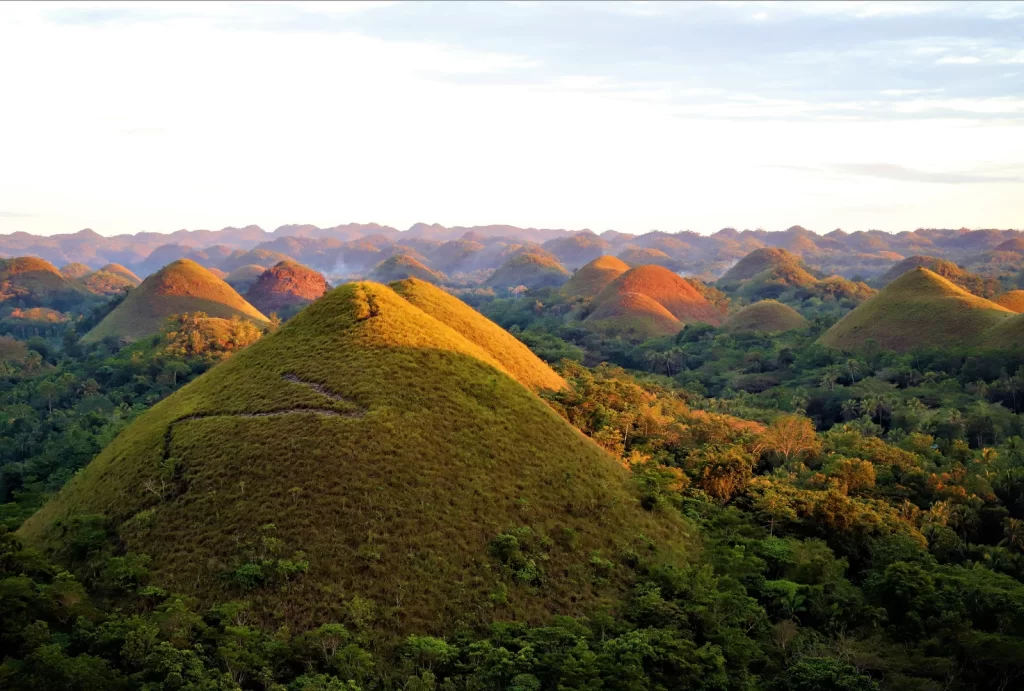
(958, 60)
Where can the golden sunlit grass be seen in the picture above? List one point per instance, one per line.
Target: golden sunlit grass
(35, 282)
(677, 296)
(766, 315)
(180, 287)
(633, 315)
(918, 309)
(1013, 300)
(591, 279)
(381, 443)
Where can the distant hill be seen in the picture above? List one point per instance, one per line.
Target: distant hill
(947, 269)
(243, 278)
(591, 279)
(576, 250)
(112, 279)
(534, 269)
(633, 315)
(34, 282)
(285, 288)
(766, 315)
(761, 260)
(1012, 300)
(639, 256)
(918, 309)
(75, 270)
(668, 289)
(180, 287)
(402, 266)
(259, 257)
(387, 448)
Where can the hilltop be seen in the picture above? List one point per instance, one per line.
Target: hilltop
(34, 282)
(638, 256)
(533, 269)
(633, 315)
(75, 270)
(971, 282)
(677, 295)
(394, 459)
(589, 280)
(576, 250)
(402, 266)
(110, 280)
(761, 260)
(244, 277)
(285, 288)
(918, 309)
(514, 358)
(180, 287)
(1012, 300)
(766, 315)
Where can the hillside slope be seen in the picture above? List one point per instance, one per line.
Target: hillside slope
(182, 286)
(285, 288)
(533, 269)
(34, 282)
(589, 280)
(681, 299)
(380, 443)
(401, 266)
(918, 309)
(766, 315)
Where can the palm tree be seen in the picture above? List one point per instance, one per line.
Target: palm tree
(1013, 529)
(850, 409)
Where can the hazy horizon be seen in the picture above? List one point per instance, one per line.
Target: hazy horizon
(132, 117)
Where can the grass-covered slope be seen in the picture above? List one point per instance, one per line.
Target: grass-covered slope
(110, 280)
(633, 315)
(181, 286)
(918, 309)
(122, 271)
(398, 267)
(1012, 300)
(638, 256)
(385, 447)
(34, 282)
(508, 351)
(758, 261)
(766, 315)
(591, 279)
(75, 270)
(243, 278)
(682, 300)
(285, 288)
(533, 269)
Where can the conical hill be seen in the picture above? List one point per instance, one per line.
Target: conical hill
(383, 446)
(508, 352)
(918, 309)
(591, 279)
(766, 315)
(181, 286)
(285, 288)
(666, 288)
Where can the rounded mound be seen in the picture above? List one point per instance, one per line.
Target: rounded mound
(591, 279)
(35, 282)
(638, 256)
(122, 271)
(75, 270)
(388, 450)
(180, 287)
(401, 266)
(534, 269)
(763, 259)
(286, 288)
(1012, 245)
(514, 357)
(668, 289)
(766, 315)
(1013, 300)
(106, 283)
(262, 257)
(918, 309)
(243, 278)
(577, 249)
(633, 315)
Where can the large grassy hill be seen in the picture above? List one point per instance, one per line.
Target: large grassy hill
(591, 279)
(181, 286)
(766, 315)
(34, 282)
(681, 299)
(918, 309)
(418, 481)
(510, 354)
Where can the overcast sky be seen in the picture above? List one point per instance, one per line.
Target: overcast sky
(633, 115)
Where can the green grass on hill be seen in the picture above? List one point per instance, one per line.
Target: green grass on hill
(766, 315)
(761, 260)
(589, 280)
(408, 471)
(632, 315)
(505, 350)
(918, 309)
(180, 287)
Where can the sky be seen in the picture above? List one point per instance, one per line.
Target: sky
(633, 116)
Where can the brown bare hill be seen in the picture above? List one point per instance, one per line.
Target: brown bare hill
(401, 266)
(1013, 300)
(918, 309)
(766, 315)
(285, 288)
(534, 269)
(591, 279)
(669, 290)
(244, 277)
(409, 470)
(633, 315)
(511, 355)
(180, 287)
